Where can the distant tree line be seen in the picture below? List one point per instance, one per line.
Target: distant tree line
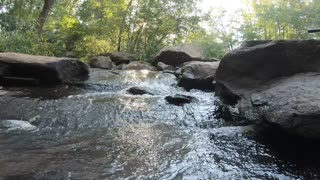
(143, 27)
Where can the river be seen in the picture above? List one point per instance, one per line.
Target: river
(97, 130)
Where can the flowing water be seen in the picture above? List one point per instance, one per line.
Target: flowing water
(98, 130)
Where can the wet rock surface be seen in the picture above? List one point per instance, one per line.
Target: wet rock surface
(256, 63)
(197, 75)
(16, 69)
(275, 82)
(179, 100)
(96, 130)
(291, 103)
(102, 62)
(138, 91)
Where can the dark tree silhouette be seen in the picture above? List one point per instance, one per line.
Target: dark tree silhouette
(47, 6)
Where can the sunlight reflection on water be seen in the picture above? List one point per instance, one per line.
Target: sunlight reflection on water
(111, 134)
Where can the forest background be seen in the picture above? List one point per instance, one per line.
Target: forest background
(143, 27)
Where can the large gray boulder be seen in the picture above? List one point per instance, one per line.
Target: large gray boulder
(257, 62)
(120, 57)
(179, 54)
(15, 67)
(101, 62)
(274, 81)
(197, 75)
(292, 103)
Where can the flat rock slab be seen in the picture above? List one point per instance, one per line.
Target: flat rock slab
(16, 125)
(16, 68)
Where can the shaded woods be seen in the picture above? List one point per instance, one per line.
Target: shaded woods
(142, 27)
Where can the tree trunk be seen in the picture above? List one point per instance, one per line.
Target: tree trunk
(136, 40)
(47, 6)
(122, 26)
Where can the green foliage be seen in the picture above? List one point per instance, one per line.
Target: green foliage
(29, 43)
(92, 45)
(212, 48)
(221, 34)
(16, 42)
(96, 26)
(143, 27)
(280, 19)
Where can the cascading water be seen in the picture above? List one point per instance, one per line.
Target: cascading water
(98, 130)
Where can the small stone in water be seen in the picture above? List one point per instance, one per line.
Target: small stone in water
(138, 91)
(178, 100)
(212, 136)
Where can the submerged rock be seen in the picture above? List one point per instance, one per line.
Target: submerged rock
(18, 68)
(16, 125)
(197, 75)
(179, 54)
(138, 91)
(102, 62)
(179, 99)
(274, 81)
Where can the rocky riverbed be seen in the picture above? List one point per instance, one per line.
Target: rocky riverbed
(99, 130)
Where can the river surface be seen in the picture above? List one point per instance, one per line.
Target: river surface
(97, 130)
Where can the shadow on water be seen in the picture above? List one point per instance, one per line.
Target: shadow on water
(302, 153)
(97, 130)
